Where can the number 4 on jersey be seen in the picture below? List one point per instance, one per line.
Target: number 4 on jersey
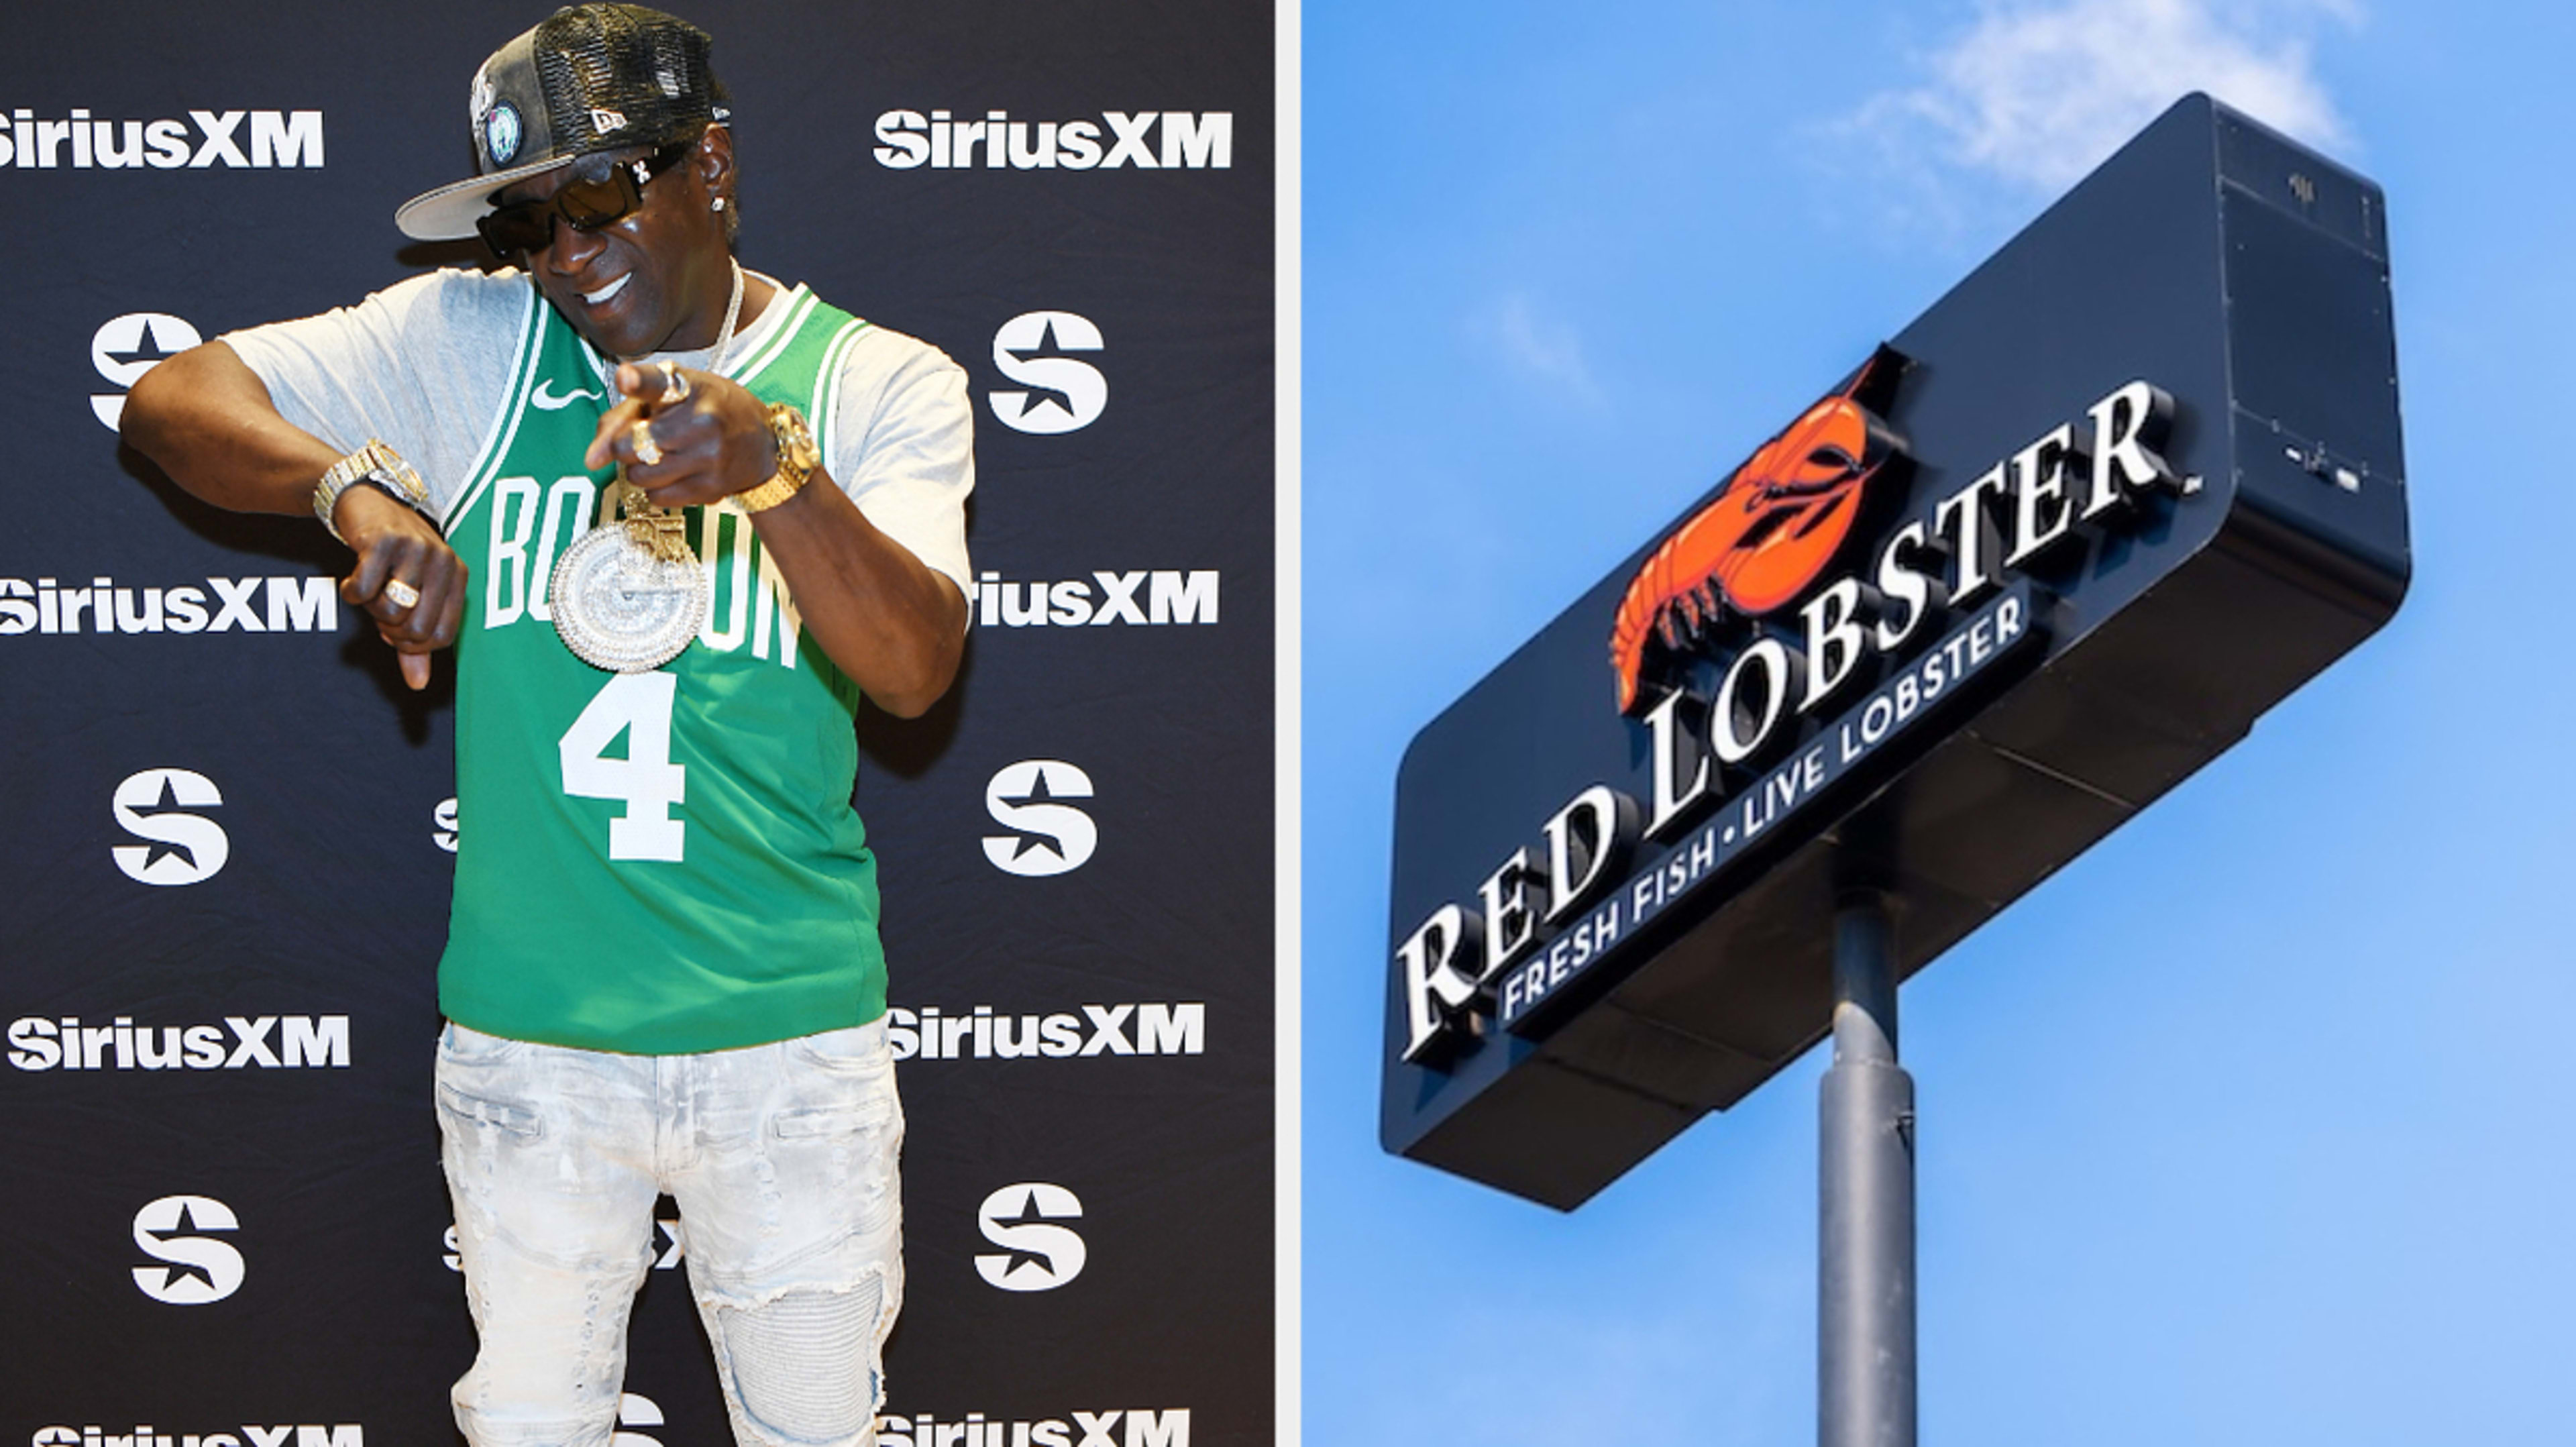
(637, 705)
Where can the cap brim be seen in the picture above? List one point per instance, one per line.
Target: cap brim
(449, 213)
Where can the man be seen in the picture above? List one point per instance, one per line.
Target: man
(662, 972)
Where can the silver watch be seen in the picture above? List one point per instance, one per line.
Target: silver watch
(375, 464)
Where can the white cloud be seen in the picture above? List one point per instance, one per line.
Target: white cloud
(1546, 349)
(2036, 94)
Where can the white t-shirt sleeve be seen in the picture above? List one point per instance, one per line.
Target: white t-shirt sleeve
(901, 442)
(422, 364)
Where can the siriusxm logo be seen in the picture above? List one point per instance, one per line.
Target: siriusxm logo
(1047, 835)
(1059, 392)
(1127, 1427)
(636, 1411)
(251, 605)
(126, 347)
(267, 1042)
(186, 848)
(1038, 1252)
(196, 1268)
(1146, 140)
(259, 139)
(307, 1434)
(980, 1034)
(1168, 596)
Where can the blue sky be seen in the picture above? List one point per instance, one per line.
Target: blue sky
(2252, 1125)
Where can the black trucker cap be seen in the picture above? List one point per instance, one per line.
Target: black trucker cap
(587, 78)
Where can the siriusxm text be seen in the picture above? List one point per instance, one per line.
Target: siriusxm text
(1128, 1427)
(249, 605)
(257, 139)
(271, 1042)
(1147, 140)
(1168, 596)
(982, 1034)
(307, 1434)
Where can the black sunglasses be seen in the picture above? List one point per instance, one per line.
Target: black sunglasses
(585, 203)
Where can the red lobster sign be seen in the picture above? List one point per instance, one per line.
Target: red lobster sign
(1770, 532)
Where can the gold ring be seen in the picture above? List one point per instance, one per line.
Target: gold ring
(402, 593)
(647, 451)
(675, 388)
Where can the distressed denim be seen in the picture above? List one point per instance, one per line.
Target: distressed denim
(783, 1160)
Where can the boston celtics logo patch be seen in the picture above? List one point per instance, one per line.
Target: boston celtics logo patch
(501, 134)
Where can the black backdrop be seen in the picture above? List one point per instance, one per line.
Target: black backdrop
(228, 827)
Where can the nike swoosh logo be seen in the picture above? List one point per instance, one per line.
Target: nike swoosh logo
(548, 402)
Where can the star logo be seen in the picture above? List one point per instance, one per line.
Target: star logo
(150, 347)
(160, 805)
(1035, 838)
(177, 1271)
(195, 1268)
(1039, 1252)
(1046, 834)
(126, 347)
(1018, 1257)
(636, 1411)
(1043, 396)
(168, 803)
(1058, 391)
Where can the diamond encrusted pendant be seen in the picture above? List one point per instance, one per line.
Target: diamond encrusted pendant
(628, 596)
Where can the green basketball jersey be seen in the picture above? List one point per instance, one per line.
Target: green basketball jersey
(664, 862)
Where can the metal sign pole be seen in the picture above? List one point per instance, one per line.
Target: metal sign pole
(1865, 1237)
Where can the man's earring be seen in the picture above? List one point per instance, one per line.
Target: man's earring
(719, 203)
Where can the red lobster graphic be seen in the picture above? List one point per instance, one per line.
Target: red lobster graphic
(1770, 531)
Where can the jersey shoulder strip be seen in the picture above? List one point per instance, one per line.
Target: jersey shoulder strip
(826, 410)
(800, 307)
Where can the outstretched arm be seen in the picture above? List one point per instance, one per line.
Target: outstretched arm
(890, 622)
(207, 420)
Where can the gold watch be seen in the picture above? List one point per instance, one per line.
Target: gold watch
(797, 457)
(376, 465)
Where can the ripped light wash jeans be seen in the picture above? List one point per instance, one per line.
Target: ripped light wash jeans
(783, 1160)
